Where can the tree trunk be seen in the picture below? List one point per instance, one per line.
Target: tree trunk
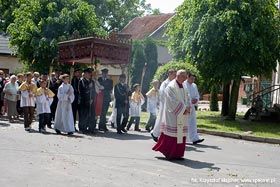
(225, 103)
(233, 99)
(214, 105)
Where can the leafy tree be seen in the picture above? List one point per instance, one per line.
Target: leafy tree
(116, 14)
(226, 39)
(6, 17)
(151, 54)
(138, 62)
(39, 24)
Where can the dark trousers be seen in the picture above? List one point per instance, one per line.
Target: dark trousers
(1, 105)
(43, 120)
(19, 109)
(151, 122)
(75, 110)
(105, 107)
(28, 112)
(53, 110)
(87, 121)
(137, 121)
(121, 111)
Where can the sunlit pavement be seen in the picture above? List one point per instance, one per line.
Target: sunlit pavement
(34, 159)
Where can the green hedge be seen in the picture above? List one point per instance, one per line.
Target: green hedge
(162, 71)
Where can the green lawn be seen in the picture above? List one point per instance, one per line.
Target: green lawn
(212, 121)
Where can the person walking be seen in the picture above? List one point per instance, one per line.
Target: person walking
(137, 100)
(156, 130)
(44, 100)
(122, 93)
(174, 124)
(152, 105)
(192, 88)
(107, 83)
(64, 121)
(27, 100)
(11, 97)
(86, 105)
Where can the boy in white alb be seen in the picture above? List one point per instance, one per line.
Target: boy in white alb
(44, 100)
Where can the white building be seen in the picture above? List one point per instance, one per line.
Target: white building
(8, 62)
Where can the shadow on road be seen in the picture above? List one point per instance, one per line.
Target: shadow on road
(4, 124)
(124, 136)
(194, 164)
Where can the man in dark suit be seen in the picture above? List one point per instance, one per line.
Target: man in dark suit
(55, 82)
(122, 92)
(75, 85)
(86, 106)
(108, 86)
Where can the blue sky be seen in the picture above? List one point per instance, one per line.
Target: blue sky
(165, 6)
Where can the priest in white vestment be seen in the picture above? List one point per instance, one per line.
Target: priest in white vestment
(64, 121)
(174, 123)
(156, 130)
(192, 88)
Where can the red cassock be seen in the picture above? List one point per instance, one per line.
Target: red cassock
(98, 103)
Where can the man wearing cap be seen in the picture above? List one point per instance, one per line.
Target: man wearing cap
(86, 107)
(122, 92)
(108, 86)
(75, 85)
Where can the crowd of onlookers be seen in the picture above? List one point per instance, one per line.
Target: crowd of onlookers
(53, 97)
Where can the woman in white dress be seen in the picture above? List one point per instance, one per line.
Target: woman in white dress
(64, 121)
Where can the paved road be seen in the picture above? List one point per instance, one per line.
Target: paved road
(35, 160)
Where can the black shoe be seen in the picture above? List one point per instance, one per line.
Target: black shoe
(70, 133)
(154, 138)
(120, 132)
(112, 125)
(123, 130)
(148, 129)
(139, 130)
(198, 141)
(106, 129)
(57, 131)
(168, 158)
(49, 126)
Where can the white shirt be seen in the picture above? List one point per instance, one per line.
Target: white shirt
(26, 100)
(192, 88)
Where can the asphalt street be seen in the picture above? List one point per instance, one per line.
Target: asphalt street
(108, 159)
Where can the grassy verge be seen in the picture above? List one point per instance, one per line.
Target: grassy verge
(213, 121)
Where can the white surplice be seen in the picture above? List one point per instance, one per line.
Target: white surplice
(156, 129)
(43, 104)
(174, 123)
(193, 135)
(64, 120)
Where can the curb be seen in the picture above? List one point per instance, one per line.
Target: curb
(240, 136)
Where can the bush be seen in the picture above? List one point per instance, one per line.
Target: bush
(162, 71)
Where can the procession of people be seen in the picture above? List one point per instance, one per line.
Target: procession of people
(60, 103)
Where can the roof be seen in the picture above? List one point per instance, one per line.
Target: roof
(4, 44)
(141, 27)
